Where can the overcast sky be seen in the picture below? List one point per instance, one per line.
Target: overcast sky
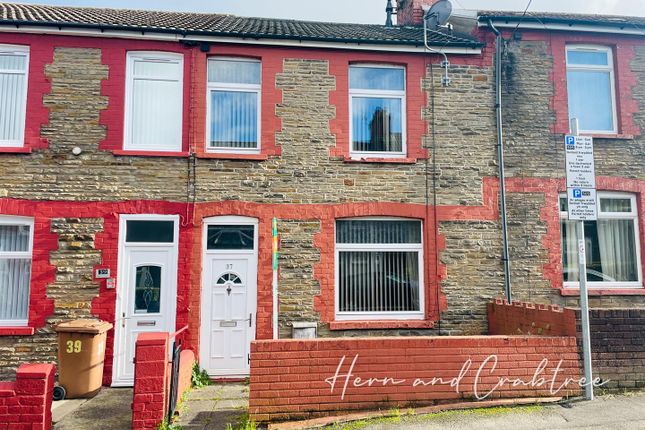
(364, 11)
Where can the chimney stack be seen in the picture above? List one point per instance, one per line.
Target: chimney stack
(410, 12)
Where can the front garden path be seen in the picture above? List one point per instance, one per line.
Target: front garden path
(214, 407)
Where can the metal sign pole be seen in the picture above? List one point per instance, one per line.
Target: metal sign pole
(584, 297)
(274, 283)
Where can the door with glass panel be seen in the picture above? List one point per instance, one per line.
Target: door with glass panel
(229, 294)
(146, 287)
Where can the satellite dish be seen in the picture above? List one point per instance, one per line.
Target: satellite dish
(438, 14)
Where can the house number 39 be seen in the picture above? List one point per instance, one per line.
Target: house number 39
(73, 346)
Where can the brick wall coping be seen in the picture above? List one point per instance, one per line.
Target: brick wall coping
(554, 308)
(152, 338)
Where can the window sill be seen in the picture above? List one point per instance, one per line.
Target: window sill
(610, 136)
(15, 150)
(604, 291)
(380, 160)
(380, 324)
(149, 153)
(17, 331)
(232, 156)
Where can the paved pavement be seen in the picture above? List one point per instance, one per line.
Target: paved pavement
(213, 407)
(624, 412)
(110, 409)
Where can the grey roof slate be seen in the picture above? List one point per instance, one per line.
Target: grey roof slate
(222, 25)
(620, 22)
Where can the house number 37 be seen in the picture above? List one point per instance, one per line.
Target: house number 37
(73, 346)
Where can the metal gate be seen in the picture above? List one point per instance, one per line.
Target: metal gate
(174, 379)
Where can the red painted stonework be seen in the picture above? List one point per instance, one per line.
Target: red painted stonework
(114, 55)
(41, 53)
(288, 377)
(625, 79)
(550, 215)
(521, 318)
(26, 403)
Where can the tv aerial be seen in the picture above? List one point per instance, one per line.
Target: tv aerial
(433, 19)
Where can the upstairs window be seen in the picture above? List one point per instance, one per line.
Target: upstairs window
(14, 65)
(16, 244)
(590, 88)
(611, 244)
(379, 269)
(377, 111)
(234, 105)
(154, 102)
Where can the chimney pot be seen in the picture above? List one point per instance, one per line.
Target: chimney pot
(410, 12)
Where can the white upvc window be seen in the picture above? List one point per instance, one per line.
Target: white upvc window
(591, 88)
(379, 269)
(16, 245)
(612, 244)
(14, 67)
(377, 111)
(233, 105)
(154, 101)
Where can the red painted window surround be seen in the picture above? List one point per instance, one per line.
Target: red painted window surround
(625, 79)
(550, 215)
(42, 272)
(270, 123)
(41, 52)
(114, 56)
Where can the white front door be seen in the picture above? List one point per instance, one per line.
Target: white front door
(146, 286)
(229, 291)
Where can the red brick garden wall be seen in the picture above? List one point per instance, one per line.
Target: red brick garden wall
(152, 375)
(521, 318)
(294, 379)
(26, 403)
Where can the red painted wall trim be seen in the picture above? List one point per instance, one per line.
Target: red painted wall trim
(270, 123)
(41, 53)
(625, 79)
(550, 215)
(150, 399)
(114, 56)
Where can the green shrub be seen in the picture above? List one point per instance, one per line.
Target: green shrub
(199, 377)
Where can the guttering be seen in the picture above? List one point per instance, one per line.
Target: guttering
(583, 26)
(500, 160)
(162, 34)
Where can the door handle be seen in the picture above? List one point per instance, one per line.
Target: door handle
(251, 320)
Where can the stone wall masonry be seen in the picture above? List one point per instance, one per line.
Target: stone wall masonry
(297, 285)
(474, 275)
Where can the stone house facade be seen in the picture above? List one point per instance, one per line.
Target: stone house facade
(122, 198)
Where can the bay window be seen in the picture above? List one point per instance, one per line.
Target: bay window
(590, 88)
(611, 242)
(14, 66)
(377, 111)
(379, 269)
(16, 244)
(154, 101)
(233, 99)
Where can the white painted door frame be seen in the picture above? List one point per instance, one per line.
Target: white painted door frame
(125, 291)
(251, 290)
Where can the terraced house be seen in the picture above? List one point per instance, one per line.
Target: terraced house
(144, 156)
